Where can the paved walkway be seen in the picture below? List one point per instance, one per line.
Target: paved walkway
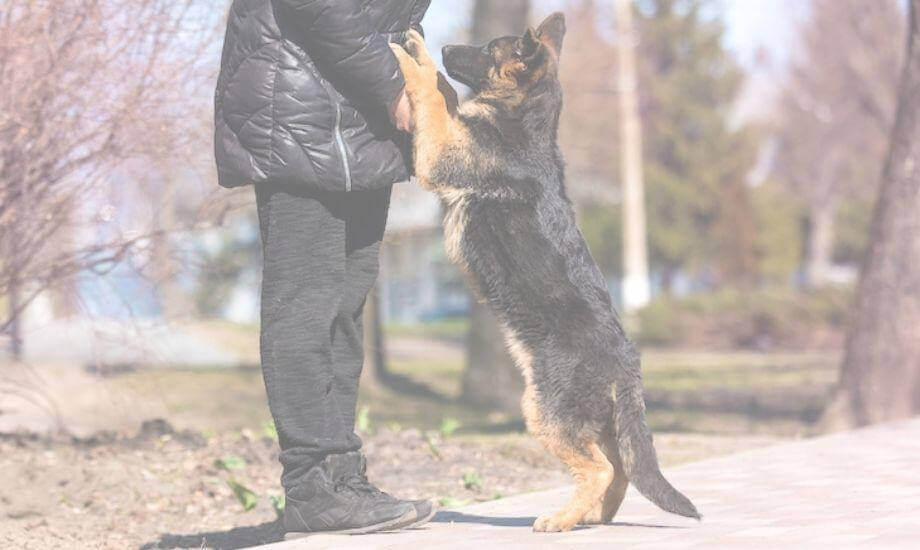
(856, 489)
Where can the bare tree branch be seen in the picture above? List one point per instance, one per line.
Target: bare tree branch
(98, 84)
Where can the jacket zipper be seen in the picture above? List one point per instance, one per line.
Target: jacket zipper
(339, 138)
(340, 141)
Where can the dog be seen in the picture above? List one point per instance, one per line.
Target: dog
(495, 163)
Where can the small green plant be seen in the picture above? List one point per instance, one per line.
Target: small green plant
(448, 426)
(451, 502)
(243, 494)
(472, 481)
(363, 422)
(269, 431)
(230, 462)
(433, 447)
(277, 503)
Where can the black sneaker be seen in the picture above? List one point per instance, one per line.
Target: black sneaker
(326, 502)
(356, 463)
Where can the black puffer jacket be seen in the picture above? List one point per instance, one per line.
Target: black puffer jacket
(303, 93)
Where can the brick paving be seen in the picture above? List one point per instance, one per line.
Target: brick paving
(858, 489)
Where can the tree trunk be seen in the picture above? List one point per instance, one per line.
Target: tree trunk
(15, 328)
(880, 375)
(494, 18)
(491, 379)
(668, 274)
(166, 269)
(375, 357)
(11, 322)
(820, 244)
(65, 293)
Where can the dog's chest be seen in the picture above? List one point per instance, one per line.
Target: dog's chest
(456, 218)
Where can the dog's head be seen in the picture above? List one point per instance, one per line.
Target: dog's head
(509, 62)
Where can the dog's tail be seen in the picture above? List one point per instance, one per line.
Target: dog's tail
(634, 441)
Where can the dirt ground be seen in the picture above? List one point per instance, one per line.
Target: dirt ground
(163, 488)
(110, 484)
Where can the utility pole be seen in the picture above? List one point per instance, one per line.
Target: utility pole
(635, 286)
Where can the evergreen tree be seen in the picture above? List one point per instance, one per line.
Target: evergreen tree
(700, 213)
(701, 219)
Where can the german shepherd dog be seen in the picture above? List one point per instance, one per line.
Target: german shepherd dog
(498, 170)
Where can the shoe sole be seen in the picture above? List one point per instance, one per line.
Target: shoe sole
(409, 518)
(422, 521)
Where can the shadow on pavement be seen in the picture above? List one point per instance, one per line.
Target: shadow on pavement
(499, 521)
(239, 537)
(646, 525)
(266, 533)
(459, 517)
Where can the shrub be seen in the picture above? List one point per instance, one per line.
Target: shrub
(764, 319)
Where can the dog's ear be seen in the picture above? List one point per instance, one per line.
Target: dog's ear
(449, 93)
(551, 31)
(533, 51)
(530, 42)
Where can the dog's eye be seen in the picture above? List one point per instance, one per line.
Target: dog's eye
(517, 52)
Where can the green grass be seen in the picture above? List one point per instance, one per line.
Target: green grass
(442, 376)
(677, 371)
(389, 408)
(672, 371)
(454, 328)
(684, 388)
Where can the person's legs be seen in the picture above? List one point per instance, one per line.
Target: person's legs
(320, 261)
(365, 214)
(303, 284)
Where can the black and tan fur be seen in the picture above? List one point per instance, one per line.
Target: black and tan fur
(495, 164)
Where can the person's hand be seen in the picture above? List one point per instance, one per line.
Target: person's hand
(401, 112)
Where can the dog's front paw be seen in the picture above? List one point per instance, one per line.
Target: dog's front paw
(415, 45)
(427, 68)
(553, 523)
(420, 80)
(407, 64)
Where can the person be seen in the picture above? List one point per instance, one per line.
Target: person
(310, 109)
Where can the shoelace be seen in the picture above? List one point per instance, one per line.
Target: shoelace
(358, 483)
(342, 484)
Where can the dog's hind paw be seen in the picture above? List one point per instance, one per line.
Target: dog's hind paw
(595, 517)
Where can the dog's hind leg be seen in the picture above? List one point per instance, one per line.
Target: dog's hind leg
(592, 471)
(593, 474)
(605, 510)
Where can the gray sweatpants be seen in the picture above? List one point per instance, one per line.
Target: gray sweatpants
(320, 261)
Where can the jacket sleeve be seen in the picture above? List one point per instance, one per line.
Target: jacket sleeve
(343, 41)
(418, 12)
